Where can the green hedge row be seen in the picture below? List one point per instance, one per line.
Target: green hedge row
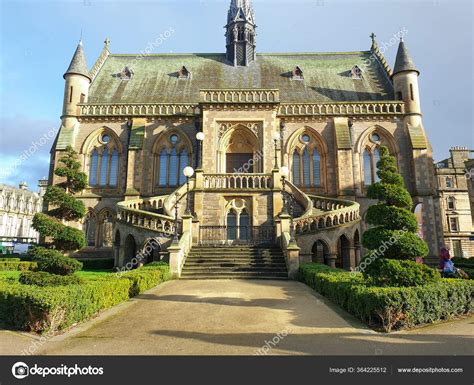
(10, 259)
(18, 265)
(390, 308)
(39, 309)
(97, 264)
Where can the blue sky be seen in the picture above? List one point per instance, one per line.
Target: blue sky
(38, 39)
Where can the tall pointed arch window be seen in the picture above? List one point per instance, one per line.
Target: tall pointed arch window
(171, 156)
(371, 157)
(307, 163)
(104, 162)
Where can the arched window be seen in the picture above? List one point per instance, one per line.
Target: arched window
(232, 225)
(306, 162)
(451, 203)
(316, 168)
(171, 160)
(376, 160)
(306, 168)
(371, 158)
(94, 163)
(105, 229)
(90, 226)
(296, 168)
(183, 163)
(244, 225)
(104, 162)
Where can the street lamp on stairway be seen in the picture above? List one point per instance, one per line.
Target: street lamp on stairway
(188, 173)
(276, 138)
(284, 172)
(200, 138)
(176, 206)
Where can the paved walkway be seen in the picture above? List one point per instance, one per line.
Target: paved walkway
(239, 318)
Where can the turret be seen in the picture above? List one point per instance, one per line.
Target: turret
(240, 33)
(76, 90)
(405, 81)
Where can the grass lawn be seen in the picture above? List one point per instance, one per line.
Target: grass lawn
(91, 275)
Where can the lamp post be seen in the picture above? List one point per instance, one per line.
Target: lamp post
(200, 138)
(284, 171)
(276, 137)
(188, 173)
(292, 223)
(176, 205)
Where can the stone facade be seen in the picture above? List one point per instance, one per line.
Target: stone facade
(17, 209)
(136, 130)
(456, 201)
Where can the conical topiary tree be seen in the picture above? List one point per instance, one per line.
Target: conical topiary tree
(394, 234)
(64, 207)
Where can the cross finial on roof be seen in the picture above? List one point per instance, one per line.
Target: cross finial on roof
(107, 41)
(373, 36)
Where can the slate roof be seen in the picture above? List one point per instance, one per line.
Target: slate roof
(78, 63)
(403, 62)
(326, 77)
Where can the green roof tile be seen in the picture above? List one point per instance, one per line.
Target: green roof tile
(326, 78)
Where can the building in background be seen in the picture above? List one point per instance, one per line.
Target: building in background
(455, 186)
(17, 209)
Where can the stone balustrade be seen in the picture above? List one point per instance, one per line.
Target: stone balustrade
(237, 181)
(331, 213)
(133, 212)
(342, 109)
(240, 96)
(138, 109)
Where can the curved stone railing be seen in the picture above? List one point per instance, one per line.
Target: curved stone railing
(302, 198)
(334, 213)
(133, 212)
(237, 181)
(170, 200)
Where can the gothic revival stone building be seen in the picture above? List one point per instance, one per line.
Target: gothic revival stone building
(134, 120)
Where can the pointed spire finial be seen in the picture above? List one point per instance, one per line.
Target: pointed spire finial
(404, 62)
(78, 64)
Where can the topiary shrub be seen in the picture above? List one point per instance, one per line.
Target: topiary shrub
(63, 205)
(399, 273)
(42, 278)
(54, 262)
(394, 225)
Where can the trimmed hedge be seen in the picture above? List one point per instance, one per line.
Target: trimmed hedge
(390, 308)
(400, 273)
(97, 264)
(10, 259)
(42, 278)
(39, 309)
(54, 262)
(18, 265)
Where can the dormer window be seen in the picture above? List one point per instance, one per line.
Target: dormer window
(297, 74)
(126, 74)
(356, 72)
(183, 73)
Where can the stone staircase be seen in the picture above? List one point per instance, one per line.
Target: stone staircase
(235, 262)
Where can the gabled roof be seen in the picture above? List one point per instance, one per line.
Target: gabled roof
(326, 77)
(78, 64)
(403, 62)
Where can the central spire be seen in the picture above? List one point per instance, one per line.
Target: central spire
(240, 33)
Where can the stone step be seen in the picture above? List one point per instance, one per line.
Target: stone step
(235, 268)
(227, 277)
(233, 263)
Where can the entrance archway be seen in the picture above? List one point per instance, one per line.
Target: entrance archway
(320, 252)
(130, 249)
(239, 152)
(343, 253)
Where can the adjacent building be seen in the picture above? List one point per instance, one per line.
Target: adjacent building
(17, 209)
(455, 176)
